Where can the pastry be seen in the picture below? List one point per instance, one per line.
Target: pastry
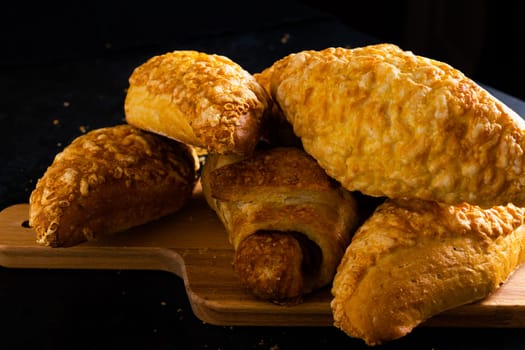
(277, 131)
(288, 222)
(386, 122)
(413, 259)
(109, 180)
(201, 99)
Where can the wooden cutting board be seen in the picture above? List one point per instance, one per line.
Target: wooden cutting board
(193, 245)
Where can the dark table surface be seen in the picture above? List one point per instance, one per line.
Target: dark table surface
(65, 73)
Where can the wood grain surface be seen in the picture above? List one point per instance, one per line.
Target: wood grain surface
(193, 245)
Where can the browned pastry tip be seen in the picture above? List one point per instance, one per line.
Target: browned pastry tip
(205, 100)
(109, 180)
(269, 266)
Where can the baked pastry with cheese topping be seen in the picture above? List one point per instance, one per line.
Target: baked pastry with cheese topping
(288, 222)
(204, 100)
(413, 259)
(387, 122)
(109, 180)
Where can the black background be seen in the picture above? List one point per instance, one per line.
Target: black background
(64, 70)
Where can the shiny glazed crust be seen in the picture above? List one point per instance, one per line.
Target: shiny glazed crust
(390, 123)
(107, 181)
(413, 259)
(281, 190)
(201, 99)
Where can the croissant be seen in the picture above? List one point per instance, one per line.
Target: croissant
(386, 122)
(201, 99)
(108, 180)
(288, 222)
(413, 259)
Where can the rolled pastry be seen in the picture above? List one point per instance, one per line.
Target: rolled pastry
(386, 122)
(201, 99)
(107, 181)
(288, 222)
(413, 259)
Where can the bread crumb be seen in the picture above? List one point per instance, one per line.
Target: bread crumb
(285, 38)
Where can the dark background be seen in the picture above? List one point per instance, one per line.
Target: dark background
(481, 38)
(64, 70)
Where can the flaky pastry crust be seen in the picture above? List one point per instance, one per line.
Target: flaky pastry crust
(386, 122)
(280, 191)
(413, 259)
(109, 180)
(201, 99)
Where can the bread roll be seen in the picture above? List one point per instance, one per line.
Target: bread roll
(413, 259)
(288, 222)
(107, 181)
(386, 122)
(201, 99)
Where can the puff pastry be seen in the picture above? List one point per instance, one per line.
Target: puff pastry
(386, 122)
(201, 99)
(288, 222)
(108, 180)
(413, 259)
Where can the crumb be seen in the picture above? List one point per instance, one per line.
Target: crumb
(285, 38)
(56, 121)
(82, 129)
(163, 303)
(59, 144)
(66, 104)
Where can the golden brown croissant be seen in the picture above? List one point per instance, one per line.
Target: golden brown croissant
(386, 122)
(201, 99)
(413, 259)
(109, 180)
(288, 222)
